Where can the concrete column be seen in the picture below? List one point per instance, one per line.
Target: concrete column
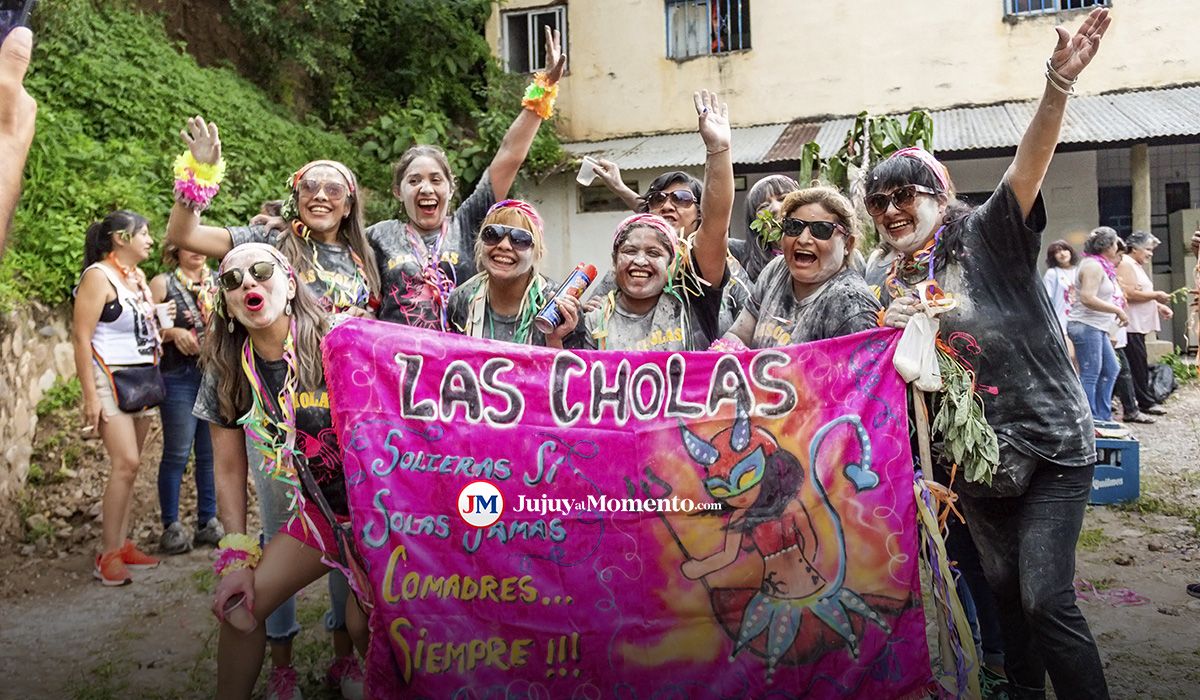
(1139, 177)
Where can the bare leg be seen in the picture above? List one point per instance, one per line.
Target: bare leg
(287, 566)
(356, 629)
(141, 428)
(121, 442)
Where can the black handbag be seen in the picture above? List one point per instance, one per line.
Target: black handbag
(136, 388)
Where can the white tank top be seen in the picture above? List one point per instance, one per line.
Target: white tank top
(1106, 292)
(1143, 315)
(132, 338)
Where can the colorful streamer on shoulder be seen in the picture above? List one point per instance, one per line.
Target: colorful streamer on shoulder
(273, 431)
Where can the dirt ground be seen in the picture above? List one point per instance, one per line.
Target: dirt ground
(65, 636)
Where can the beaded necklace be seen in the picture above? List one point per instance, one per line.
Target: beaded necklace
(204, 291)
(271, 425)
(920, 265)
(439, 283)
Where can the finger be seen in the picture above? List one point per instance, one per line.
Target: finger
(213, 134)
(1062, 39)
(15, 53)
(698, 102)
(187, 138)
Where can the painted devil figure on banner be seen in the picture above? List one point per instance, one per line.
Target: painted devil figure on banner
(551, 524)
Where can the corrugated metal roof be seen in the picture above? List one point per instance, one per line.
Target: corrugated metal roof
(750, 145)
(1128, 116)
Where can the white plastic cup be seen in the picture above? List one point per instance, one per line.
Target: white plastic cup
(166, 319)
(587, 171)
(238, 616)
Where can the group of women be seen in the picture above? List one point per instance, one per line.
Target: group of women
(476, 271)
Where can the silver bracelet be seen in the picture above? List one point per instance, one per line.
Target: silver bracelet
(1068, 91)
(1058, 76)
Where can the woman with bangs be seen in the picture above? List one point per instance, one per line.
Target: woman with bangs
(324, 240)
(758, 248)
(669, 292)
(1026, 522)
(270, 397)
(809, 292)
(501, 301)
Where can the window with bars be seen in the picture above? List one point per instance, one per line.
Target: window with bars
(1014, 8)
(524, 36)
(704, 27)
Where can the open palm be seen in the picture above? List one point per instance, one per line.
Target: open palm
(1073, 53)
(713, 118)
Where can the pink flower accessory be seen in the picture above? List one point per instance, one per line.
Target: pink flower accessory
(236, 551)
(197, 183)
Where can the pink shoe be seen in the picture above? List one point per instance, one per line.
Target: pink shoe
(347, 676)
(283, 684)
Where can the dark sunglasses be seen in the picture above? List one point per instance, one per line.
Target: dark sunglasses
(519, 238)
(878, 203)
(232, 279)
(820, 230)
(680, 198)
(333, 189)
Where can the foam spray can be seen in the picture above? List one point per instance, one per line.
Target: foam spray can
(575, 285)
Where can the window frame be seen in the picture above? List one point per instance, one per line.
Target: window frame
(533, 39)
(1012, 13)
(744, 32)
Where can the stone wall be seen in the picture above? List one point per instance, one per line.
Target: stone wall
(35, 349)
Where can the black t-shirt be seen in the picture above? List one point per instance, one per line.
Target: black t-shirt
(1006, 329)
(406, 297)
(504, 328)
(187, 317)
(842, 306)
(315, 436)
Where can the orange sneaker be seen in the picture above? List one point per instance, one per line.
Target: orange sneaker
(135, 558)
(110, 570)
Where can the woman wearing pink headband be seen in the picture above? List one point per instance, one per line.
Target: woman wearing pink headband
(1026, 522)
(501, 301)
(669, 293)
(325, 239)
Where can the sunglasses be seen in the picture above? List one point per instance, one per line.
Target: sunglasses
(820, 230)
(878, 203)
(333, 189)
(519, 238)
(262, 271)
(680, 198)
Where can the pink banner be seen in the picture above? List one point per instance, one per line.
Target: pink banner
(542, 524)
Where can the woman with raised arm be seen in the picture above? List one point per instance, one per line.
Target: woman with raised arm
(1026, 523)
(423, 258)
(265, 354)
(324, 237)
(669, 291)
(500, 302)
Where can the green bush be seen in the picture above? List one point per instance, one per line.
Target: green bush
(114, 91)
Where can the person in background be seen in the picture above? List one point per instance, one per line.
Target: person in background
(1095, 311)
(1123, 389)
(115, 327)
(1145, 307)
(760, 247)
(190, 284)
(1061, 262)
(18, 116)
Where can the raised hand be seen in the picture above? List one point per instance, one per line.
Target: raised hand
(556, 60)
(202, 140)
(610, 174)
(712, 116)
(1074, 53)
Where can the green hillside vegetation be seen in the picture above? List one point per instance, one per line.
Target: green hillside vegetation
(113, 92)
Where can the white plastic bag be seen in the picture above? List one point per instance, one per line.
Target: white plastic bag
(916, 355)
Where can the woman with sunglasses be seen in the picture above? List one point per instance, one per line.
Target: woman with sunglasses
(324, 241)
(324, 236)
(669, 291)
(265, 354)
(1026, 523)
(501, 301)
(809, 292)
(423, 258)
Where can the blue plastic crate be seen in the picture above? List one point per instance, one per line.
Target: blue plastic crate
(1118, 472)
